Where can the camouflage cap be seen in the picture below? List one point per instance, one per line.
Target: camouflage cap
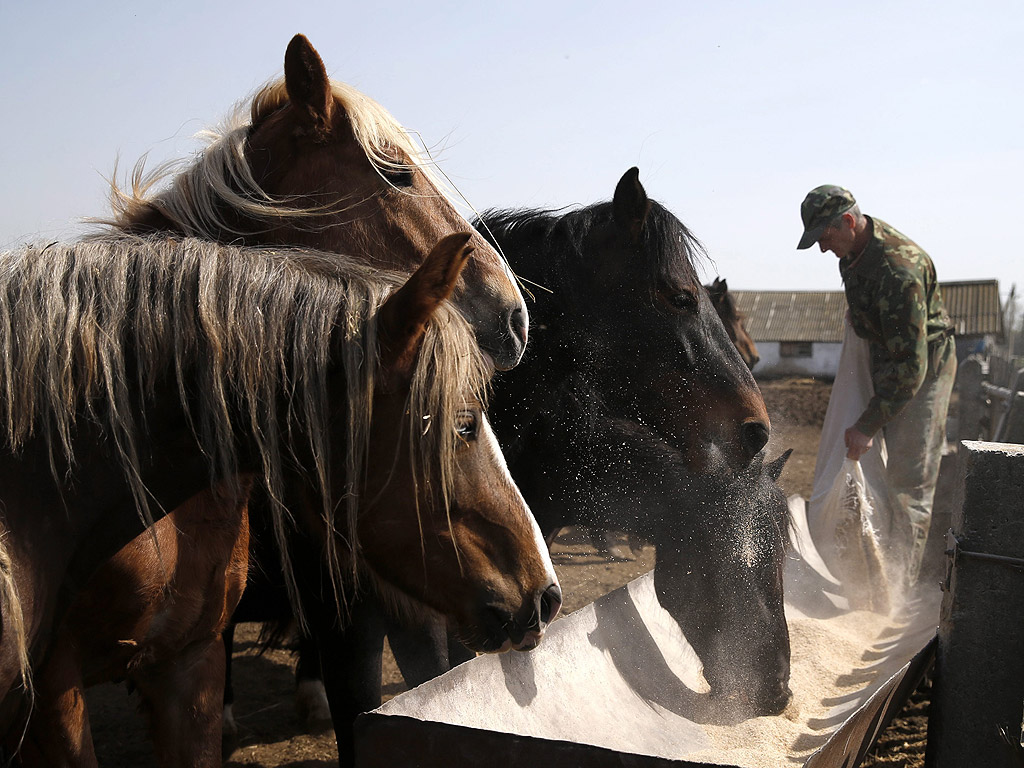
(821, 205)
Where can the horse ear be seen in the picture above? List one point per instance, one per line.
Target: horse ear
(309, 88)
(630, 205)
(775, 467)
(402, 319)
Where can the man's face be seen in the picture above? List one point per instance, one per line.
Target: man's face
(839, 237)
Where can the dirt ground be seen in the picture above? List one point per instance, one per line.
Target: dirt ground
(270, 732)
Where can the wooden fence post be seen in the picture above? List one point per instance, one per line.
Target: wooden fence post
(979, 680)
(970, 398)
(1011, 428)
(1012, 401)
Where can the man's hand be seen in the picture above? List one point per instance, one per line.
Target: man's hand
(857, 443)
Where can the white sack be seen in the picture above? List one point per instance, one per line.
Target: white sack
(848, 512)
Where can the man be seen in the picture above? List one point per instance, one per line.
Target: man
(895, 303)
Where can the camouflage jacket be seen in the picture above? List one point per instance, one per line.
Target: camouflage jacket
(895, 304)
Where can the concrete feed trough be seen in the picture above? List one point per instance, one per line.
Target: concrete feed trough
(616, 683)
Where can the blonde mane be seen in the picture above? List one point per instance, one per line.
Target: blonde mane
(247, 338)
(220, 179)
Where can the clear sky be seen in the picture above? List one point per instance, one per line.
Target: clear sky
(731, 110)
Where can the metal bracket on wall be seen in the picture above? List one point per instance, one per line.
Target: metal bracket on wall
(954, 551)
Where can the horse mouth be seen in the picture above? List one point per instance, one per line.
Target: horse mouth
(502, 644)
(503, 355)
(761, 704)
(493, 634)
(495, 629)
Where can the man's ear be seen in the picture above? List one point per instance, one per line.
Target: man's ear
(402, 319)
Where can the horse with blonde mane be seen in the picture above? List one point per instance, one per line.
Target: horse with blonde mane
(147, 384)
(317, 164)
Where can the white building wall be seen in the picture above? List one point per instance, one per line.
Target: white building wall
(824, 361)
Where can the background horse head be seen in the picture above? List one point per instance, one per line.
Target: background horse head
(158, 368)
(319, 164)
(722, 579)
(734, 321)
(720, 536)
(622, 307)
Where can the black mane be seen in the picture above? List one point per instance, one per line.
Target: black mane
(544, 244)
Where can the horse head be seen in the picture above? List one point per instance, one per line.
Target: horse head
(733, 321)
(721, 580)
(320, 165)
(628, 312)
(444, 523)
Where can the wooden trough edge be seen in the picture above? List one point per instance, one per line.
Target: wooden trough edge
(859, 733)
(385, 741)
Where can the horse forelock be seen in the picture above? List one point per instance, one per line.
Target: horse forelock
(449, 353)
(91, 328)
(204, 198)
(675, 250)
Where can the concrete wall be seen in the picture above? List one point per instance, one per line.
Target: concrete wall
(979, 675)
(823, 362)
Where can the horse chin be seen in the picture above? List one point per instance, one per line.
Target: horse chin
(503, 347)
(488, 636)
(503, 354)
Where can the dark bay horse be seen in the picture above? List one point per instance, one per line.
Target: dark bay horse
(144, 375)
(315, 163)
(734, 321)
(627, 351)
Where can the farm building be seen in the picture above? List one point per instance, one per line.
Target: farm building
(801, 332)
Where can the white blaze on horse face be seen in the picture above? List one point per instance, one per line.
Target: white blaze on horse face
(487, 434)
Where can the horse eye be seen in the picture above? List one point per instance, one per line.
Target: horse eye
(399, 177)
(466, 426)
(684, 302)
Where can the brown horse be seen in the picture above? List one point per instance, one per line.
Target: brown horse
(138, 376)
(318, 164)
(734, 321)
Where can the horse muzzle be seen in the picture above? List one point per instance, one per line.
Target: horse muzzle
(505, 347)
(498, 631)
(771, 700)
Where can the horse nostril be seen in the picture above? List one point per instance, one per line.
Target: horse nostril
(755, 437)
(517, 324)
(550, 603)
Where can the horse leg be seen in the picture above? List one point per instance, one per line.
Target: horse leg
(229, 730)
(310, 696)
(58, 729)
(350, 660)
(183, 698)
(421, 650)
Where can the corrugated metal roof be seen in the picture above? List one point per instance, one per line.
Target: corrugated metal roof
(818, 315)
(974, 306)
